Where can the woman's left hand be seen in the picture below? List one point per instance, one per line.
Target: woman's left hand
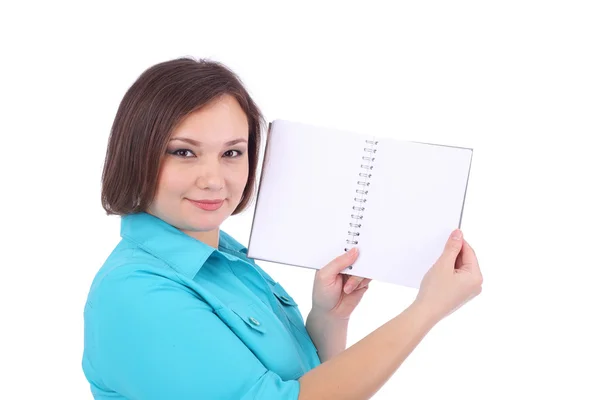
(336, 295)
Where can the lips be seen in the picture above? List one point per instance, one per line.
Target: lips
(208, 205)
(208, 201)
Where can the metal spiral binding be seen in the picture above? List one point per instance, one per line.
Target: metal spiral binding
(362, 192)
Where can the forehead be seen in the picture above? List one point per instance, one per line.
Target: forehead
(220, 121)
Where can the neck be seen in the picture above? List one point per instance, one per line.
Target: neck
(210, 238)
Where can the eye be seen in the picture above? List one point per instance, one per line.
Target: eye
(185, 153)
(228, 153)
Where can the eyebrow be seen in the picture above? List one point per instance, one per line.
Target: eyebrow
(198, 144)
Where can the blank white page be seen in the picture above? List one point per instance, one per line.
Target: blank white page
(415, 200)
(306, 194)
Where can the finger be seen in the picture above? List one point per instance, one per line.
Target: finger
(468, 254)
(472, 268)
(468, 259)
(364, 283)
(352, 284)
(345, 279)
(339, 263)
(357, 294)
(452, 248)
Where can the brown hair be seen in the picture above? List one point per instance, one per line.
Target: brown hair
(158, 100)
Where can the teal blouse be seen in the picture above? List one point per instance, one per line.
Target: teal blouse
(169, 317)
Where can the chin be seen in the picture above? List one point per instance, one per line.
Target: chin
(205, 221)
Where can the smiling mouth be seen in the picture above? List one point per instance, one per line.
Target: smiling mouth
(208, 205)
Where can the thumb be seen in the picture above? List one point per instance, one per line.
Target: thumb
(452, 248)
(338, 264)
(468, 259)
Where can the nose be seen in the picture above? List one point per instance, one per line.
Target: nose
(210, 176)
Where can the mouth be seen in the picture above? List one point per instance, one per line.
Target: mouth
(208, 205)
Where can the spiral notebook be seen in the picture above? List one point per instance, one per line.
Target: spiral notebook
(324, 190)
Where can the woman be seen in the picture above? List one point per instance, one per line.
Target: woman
(178, 311)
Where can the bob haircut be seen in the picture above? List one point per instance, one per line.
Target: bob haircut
(154, 105)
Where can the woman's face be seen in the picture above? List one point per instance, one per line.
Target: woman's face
(206, 160)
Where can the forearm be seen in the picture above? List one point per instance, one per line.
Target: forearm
(328, 334)
(361, 370)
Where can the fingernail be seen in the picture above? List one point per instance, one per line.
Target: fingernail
(348, 288)
(456, 234)
(352, 251)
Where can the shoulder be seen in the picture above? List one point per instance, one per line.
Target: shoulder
(129, 299)
(127, 275)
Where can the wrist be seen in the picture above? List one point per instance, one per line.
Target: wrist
(325, 316)
(424, 314)
(328, 333)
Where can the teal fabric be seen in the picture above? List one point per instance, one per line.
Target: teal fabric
(169, 317)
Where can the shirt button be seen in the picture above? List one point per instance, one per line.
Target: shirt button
(254, 321)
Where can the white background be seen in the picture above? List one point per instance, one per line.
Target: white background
(518, 81)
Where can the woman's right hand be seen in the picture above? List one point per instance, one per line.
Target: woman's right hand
(452, 281)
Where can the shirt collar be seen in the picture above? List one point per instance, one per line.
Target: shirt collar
(180, 251)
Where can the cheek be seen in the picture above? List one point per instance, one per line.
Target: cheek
(241, 177)
(172, 181)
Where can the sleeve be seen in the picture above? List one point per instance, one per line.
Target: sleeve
(158, 340)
